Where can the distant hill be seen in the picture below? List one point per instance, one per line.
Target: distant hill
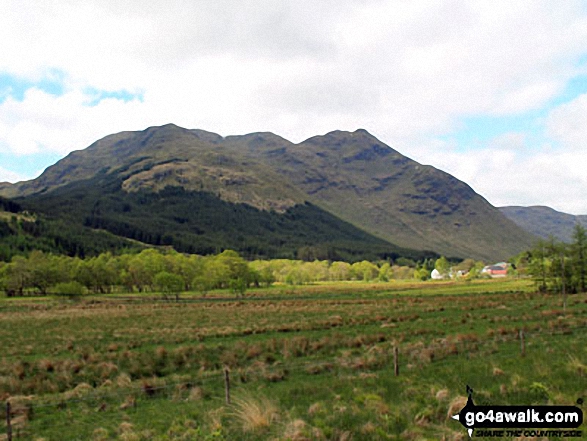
(158, 184)
(544, 221)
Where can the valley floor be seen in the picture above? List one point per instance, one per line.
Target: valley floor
(312, 362)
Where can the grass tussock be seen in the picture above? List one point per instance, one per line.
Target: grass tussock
(255, 413)
(456, 405)
(329, 360)
(577, 366)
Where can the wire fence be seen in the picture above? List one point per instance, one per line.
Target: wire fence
(93, 408)
(99, 404)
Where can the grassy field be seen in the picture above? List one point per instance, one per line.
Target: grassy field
(305, 363)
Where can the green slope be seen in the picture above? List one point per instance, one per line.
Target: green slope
(22, 232)
(353, 176)
(201, 222)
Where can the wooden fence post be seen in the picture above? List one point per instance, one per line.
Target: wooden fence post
(396, 361)
(522, 344)
(227, 385)
(8, 422)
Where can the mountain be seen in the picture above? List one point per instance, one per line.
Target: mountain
(160, 182)
(169, 186)
(544, 221)
(364, 181)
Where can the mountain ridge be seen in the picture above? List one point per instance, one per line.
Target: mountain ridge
(545, 221)
(352, 175)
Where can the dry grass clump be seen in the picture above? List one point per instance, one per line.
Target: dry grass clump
(214, 418)
(230, 358)
(368, 428)
(21, 409)
(161, 353)
(318, 368)
(79, 391)
(273, 375)
(375, 404)
(516, 380)
(181, 355)
(254, 351)
(456, 405)
(497, 372)
(46, 365)
(456, 436)
(19, 369)
(343, 436)
(296, 430)
(126, 432)
(254, 371)
(128, 403)
(315, 408)
(107, 369)
(72, 367)
(152, 386)
(100, 434)
(295, 347)
(106, 384)
(255, 414)
(425, 356)
(367, 361)
(576, 365)
(441, 395)
(196, 394)
(123, 380)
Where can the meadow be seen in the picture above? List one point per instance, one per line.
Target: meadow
(309, 362)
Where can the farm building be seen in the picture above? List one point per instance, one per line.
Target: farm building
(497, 270)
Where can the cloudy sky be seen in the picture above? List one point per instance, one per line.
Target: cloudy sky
(493, 92)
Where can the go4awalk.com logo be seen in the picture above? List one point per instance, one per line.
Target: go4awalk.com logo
(529, 421)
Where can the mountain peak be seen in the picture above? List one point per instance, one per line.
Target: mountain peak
(352, 175)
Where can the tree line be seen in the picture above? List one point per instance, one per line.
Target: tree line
(171, 273)
(558, 267)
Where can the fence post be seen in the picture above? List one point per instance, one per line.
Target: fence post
(396, 361)
(227, 385)
(522, 344)
(8, 422)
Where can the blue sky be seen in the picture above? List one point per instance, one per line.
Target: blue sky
(480, 129)
(493, 92)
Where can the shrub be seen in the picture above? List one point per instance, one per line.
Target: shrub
(169, 283)
(69, 289)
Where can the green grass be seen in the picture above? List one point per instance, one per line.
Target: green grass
(319, 357)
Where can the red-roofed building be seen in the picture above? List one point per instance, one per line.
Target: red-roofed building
(497, 270)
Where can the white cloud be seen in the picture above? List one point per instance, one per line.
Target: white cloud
(10, 176)
(567, 124)
(407, 71)
(43, 122)
(508, 171)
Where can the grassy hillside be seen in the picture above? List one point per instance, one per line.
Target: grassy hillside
(365, 182)
(352, 176)
(169, 156)
(201, 222)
